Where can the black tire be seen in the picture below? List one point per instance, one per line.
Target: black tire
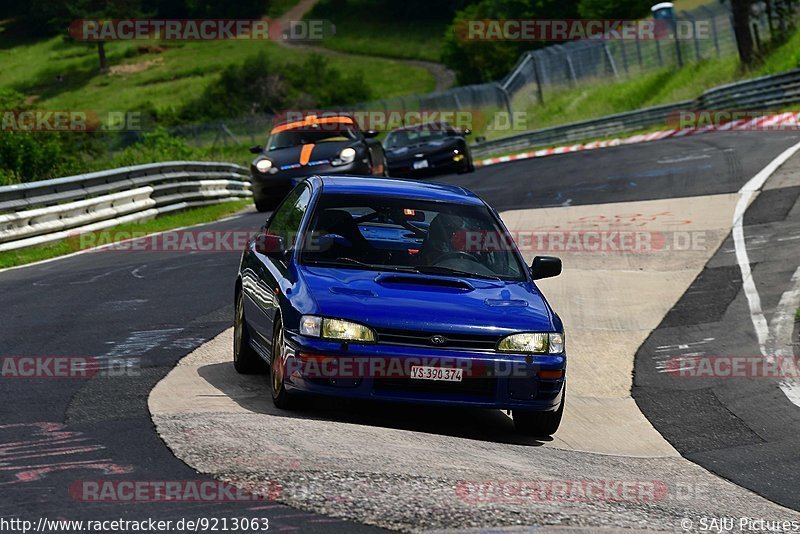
(245, 360)
(538, 424)
(280, 397)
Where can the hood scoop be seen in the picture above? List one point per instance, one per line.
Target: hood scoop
(338, 290)
(504, 303)
(428, 281)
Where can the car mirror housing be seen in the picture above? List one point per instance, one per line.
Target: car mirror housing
(545, 267)
(371, 133)
(256, 149)
(467, 131)
(270, 245)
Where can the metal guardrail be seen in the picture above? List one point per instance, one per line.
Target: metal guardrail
(40, 212)
(764, 93)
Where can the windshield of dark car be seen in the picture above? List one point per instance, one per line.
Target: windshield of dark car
(378, 233)
(310, 135)
(401, 138)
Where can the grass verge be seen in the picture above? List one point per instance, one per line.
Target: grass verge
(61, 75)
(190, 217)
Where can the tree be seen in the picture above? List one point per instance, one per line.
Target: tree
(105, 10)
(479, 61)
(741, 29)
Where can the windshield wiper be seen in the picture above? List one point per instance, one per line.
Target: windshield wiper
(338, 262)
(433, 269)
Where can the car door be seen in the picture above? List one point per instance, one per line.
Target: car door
(285, 222)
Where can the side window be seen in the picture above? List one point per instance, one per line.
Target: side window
(286, 221)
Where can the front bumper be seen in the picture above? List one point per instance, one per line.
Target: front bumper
(277, 185)
(437, 164)
(380, 372)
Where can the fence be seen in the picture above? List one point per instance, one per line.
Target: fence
(39, 212)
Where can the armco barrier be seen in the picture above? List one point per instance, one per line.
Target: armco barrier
(765, 93)
(48, 210)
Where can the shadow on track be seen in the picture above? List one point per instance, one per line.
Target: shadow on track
(251, 393)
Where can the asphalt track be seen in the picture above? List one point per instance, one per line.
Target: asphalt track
(152, 308)
(743, 428)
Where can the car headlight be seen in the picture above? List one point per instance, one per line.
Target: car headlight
(347, 155)
(533, 343)
(263, 165)
(311, 325)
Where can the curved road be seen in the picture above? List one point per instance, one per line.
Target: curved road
(148, 309)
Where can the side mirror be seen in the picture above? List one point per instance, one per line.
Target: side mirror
(270, 245)
(467, 131)
(545, 267)
(369, 134)
(256, 149)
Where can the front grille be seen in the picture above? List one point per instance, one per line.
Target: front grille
(410, 338)
(472, 387)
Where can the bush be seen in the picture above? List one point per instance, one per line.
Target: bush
(258, 87)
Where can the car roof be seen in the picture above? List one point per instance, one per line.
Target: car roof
(422, 126)
(396, 187)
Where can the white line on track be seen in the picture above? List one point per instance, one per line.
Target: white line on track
(746, 194)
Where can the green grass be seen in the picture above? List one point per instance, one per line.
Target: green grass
(797, 314)
(178, 75)
(364, 28)
(190, 217)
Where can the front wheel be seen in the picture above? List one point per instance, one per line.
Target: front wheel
(245, 359)
(538, 424)
(280, 397)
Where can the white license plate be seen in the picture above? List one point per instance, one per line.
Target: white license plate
(421, 164)
(420, 372)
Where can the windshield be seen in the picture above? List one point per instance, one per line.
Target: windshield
(371, 232)
(401, 138)
(312, 135)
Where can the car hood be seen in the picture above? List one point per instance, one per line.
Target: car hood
(427, 303)
(319, 153)
(409, 152)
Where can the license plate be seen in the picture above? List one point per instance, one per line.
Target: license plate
(420, 372)
(421, 164)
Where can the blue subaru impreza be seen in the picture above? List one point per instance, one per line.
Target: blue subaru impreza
(399, 290)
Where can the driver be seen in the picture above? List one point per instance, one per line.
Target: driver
(440, 239)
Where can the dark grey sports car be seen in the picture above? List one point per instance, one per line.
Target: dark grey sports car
(427, 149)
(329, 144)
